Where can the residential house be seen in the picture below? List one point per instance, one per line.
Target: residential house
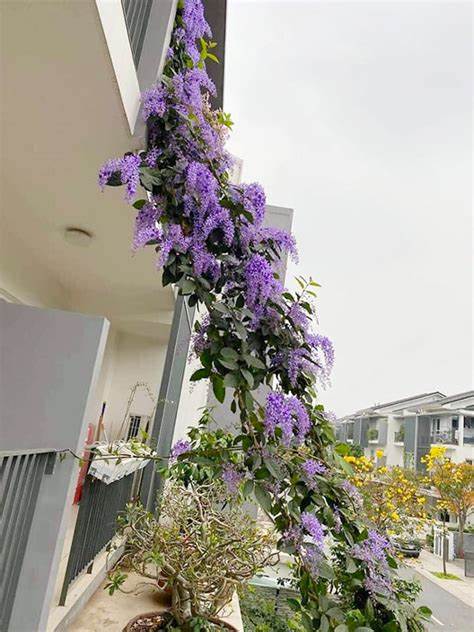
(404, 430)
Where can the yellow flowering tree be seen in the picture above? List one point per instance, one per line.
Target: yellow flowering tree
(393, 501)
(454, 483)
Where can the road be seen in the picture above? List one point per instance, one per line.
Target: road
(449, 613)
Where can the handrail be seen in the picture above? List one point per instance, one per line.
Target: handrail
(21, 452)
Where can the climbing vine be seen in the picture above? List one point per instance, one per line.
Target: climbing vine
(212, 243)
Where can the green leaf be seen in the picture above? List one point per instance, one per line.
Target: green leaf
(274, 468)
(231, 381)
(342, 628)
(335, 613)
(200, 374)
(229, 364)
(220, 307)
(326, 571)
(247, 489)
(294, 604)
(351, 566)
(263, 498)
(324, 624)
(229, 353)
(255, 362)
(186, 286)
(307, 622)
(218, 388)
(248, 377)
(139, 204)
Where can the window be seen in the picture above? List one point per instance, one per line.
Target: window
(133, 426)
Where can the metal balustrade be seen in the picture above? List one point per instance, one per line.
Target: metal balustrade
(96, 524)
(444, 436)
(21, 473)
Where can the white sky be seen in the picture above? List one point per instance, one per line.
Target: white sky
(358, 116)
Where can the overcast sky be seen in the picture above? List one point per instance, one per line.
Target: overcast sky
(358, 116)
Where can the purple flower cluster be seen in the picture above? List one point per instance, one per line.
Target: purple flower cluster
(299, 316)
(311, 556)
(260, 283)
(199, 340)
(254, 201)
(283, 240)
(373, 552)
(317, 362)
(323, 350)
(299, 362)
(313, 527)
(127, 168)
(146, 225)
(353, 493)
(232, 478)
(195, 26)
(312, 468)
(287, 413)
(180, 447)
(154, 101)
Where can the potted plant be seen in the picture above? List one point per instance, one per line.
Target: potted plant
(200, 549)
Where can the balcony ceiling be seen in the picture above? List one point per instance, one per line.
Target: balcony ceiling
(62, 118)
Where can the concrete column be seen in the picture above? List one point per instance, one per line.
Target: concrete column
(49, 365)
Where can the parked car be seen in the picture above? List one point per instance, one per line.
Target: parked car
(408, 547)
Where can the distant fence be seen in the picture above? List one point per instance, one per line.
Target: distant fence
(21, 473)
(96, 524)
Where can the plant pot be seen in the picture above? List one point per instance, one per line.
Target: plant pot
(134, 624)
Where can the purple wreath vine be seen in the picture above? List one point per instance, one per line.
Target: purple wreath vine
(212, 243)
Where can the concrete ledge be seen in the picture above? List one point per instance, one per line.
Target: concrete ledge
(104, 612)
(80, 592)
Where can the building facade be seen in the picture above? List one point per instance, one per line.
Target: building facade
(406, 429)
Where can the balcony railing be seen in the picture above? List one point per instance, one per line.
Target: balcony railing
(468, 436)
(373, 435)
(399, 436)
(444, 436)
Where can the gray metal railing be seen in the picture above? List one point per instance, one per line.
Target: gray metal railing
(96, 524)
(137, 14)
(21, 473)
(399, 436)
(444, 436)
(468, 436)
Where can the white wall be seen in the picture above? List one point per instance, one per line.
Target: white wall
(193, 397)
(133, 359)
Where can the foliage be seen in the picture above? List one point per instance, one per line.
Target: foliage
(198, 549)
(441, 575)
(212, 244)
(454, 483)
(260, 613)
(392, 497)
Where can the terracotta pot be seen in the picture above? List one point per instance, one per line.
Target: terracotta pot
(165, 617)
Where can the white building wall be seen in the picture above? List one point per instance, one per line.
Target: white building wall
(193, 397)
(135, 359)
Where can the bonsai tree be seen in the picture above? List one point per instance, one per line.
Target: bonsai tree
(201, 549)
